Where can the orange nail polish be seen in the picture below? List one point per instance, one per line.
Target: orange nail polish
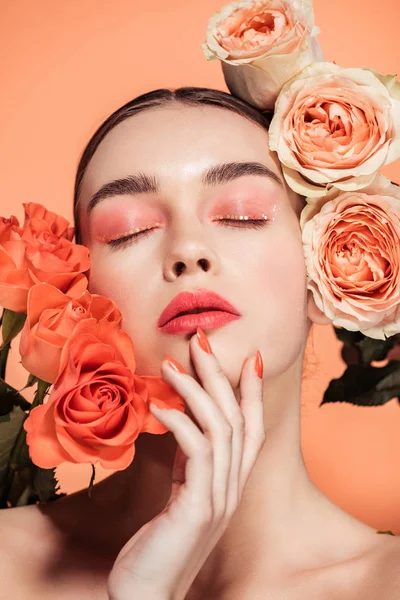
(203, 341)
(174, 364)
(259, 365)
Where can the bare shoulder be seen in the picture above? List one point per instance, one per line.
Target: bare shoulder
(25, 539)
(382, 566)
(390, 569)
(38, 560)
(20, 527)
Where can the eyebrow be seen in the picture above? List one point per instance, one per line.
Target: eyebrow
(215, 175)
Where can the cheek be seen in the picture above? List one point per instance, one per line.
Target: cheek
(115, 278)
(278, 298)
(283, 274)
(274, 268)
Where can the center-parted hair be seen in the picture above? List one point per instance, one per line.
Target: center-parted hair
(188, 96)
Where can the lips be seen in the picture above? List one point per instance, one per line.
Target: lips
(195, 302)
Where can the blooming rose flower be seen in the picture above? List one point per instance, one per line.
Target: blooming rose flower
(97, 406)
(51, 320)
(40, 250)
(57, 224)
(262, 44)
(335, 126)
(351, 244)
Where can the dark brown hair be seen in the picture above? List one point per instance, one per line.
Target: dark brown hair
(189, 96)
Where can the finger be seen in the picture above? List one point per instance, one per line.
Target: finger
(199, 463)
(252, 406)
(179, 468)
(216, 384)
(212, 378)
(178, 475)
(214, 425)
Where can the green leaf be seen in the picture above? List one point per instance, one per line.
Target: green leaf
(47, 485)
(365, 385)
(12, 324)
(351, 355)
(9, 431)
(32, 484)
(9, 397)
(372, 349)
(349, 338)
(21, 481)
(358, 349)
(32, 379)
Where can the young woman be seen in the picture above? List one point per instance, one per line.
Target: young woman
(177, 194)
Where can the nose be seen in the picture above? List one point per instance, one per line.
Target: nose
(190, 254)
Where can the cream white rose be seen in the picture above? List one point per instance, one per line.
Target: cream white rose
(262, 44)
(335, 126)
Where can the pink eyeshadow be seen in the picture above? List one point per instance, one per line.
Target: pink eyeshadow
(254, 206)
(116, 221)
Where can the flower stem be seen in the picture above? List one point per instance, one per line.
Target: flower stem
(19, 443)
(91, 481)
(3, 359)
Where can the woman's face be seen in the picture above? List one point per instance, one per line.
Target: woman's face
(260, 271)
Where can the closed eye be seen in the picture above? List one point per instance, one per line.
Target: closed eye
(248, 223)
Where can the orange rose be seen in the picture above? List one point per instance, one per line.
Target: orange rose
(351, 245)
(262, 44)
(51, 320)
(97, 407)
(57, 224)
(41, 250)
(162, 395)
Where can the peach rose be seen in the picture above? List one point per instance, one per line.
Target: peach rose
(41, 250)
(51, 320)
(97, 406)
(351, 244)
(335, 126)
(262, 44)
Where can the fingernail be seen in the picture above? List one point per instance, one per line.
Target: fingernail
(259, 364)
(174, 364)
(203, 341)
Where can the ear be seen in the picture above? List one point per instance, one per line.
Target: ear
(314, 314)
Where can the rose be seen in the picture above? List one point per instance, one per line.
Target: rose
(57, 224)
(262, 44)
(335, 126)
(351, 244)
(40, 250)
(51, 320)
(97, 406)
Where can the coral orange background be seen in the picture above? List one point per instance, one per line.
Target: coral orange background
(70, 64)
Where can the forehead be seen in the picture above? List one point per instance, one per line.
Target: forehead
(177, 143)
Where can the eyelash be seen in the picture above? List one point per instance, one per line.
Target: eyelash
(250, 223)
